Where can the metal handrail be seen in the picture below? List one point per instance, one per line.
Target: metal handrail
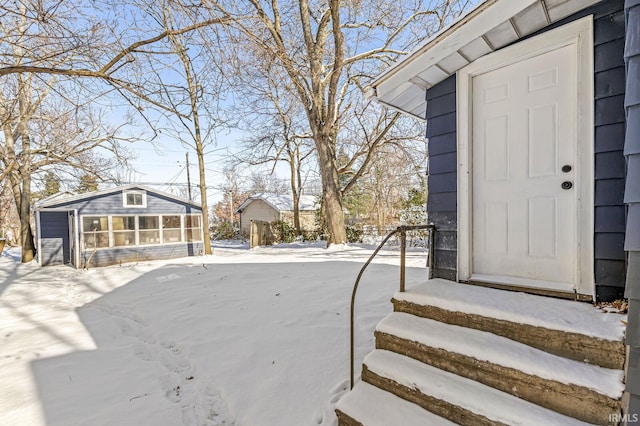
(403, 248)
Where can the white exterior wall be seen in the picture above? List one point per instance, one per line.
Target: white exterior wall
(257, 210)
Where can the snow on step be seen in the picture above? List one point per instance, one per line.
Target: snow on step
(485, 346)
(473, 396)
(554, 314)
(374, 407)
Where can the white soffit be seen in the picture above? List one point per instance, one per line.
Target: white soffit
(492, 24)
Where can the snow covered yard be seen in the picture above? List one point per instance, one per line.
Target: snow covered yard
(245, 337)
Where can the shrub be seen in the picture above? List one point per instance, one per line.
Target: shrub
(354, 234)
(283, 232)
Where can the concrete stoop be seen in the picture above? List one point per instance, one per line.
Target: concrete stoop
(465, 359)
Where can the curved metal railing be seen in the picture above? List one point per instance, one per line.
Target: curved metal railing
(403, 248)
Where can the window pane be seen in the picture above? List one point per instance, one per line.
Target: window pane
(95, 223)
(95, 240)
(192, 221)
(171, 235)
(123, 223)
(171, 222)
(148, 222)
(124, 238)
(134, 199)
(150, 237)
(193, 234)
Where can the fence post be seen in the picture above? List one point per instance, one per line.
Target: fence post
(403, 250)
(432, 248)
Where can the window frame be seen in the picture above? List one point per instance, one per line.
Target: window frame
(111, 233)
(143, 195)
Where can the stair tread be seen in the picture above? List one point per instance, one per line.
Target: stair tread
(483, 400)
(375, 407)
(554, 314)
(485, 346)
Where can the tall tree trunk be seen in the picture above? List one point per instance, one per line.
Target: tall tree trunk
(203, 183)
(331, 194)
(26, 235)
(295, 191)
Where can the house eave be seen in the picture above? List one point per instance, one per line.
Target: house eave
(489, 26)
(48, 205)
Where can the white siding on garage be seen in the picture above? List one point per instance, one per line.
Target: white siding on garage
(257, 210)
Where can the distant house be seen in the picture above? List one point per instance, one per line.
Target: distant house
(270, 207)
(123, 224)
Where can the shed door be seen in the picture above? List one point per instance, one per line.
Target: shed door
(524, 146)
(54, 238)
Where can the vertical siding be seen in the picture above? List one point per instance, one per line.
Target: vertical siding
(632, 198)
(442, 181)
(54, 238)
(609, 89)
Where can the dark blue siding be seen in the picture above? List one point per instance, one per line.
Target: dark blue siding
(115, 256)
(609, 39)
(609, 72)
(442, 181)
(54, 238)
(632, 198)
(111, 204)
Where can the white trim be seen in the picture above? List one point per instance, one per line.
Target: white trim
(522, 282)
(78, 249)
(182, 229)
(54, 201)
(397, 86)
(39, 236)
(580, 33)
(134, 206)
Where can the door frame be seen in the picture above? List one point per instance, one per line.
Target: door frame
(580, 34)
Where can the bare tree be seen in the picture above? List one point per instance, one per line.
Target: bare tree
(328, 50)
(195, 90)
(67, 40)
(276, 111)
(53, 48)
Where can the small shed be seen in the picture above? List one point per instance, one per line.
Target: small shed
(269, 207)
(122, 224)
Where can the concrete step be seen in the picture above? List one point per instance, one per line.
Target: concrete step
(586, 392)
(366, 405)
(455, 398)
(570, 329)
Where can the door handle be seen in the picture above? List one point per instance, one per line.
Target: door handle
(566, 168)
(566, 185)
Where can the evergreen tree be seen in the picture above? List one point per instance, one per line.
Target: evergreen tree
(88, 183)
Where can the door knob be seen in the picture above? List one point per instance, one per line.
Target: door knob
(566, 185)
(566, 168)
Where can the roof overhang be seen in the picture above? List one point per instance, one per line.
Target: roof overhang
(56, 200)
(491, 25)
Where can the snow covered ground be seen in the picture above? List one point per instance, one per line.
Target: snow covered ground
(243, 337)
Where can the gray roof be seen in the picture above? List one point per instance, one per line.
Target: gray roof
(67, 197)
(282, 202)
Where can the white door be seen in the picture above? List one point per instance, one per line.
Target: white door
(524, 172)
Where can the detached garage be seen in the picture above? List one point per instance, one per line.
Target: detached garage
(123, 224)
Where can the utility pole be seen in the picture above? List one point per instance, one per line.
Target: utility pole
(231, 206)
(188, 177)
